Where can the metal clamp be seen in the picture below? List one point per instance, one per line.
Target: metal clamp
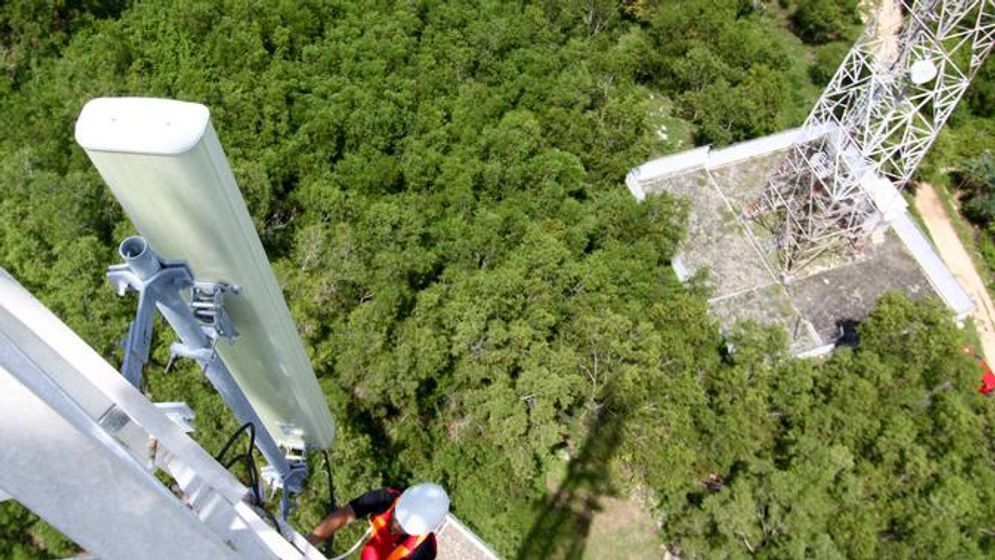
(207, 304)
(199, 324)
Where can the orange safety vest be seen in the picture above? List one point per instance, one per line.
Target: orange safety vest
(384, 545)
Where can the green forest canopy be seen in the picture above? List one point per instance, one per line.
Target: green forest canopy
(438, 185)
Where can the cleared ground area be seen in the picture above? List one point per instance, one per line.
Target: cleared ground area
(816, 309)
(623, 529)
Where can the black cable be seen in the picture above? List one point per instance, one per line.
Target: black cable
(250, 465)
(234, 460)
(331, 486)
(272, 521)
(330, 543)
(247, 458)
(249, 462)
(252, 440)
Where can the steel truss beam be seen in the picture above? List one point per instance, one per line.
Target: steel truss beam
(874, 120)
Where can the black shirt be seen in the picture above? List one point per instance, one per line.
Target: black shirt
(376, 502)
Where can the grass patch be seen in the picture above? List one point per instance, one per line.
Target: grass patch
(623, 530)
(971, 337)
(674, 133)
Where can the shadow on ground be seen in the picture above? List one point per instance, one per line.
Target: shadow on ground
(564, 519)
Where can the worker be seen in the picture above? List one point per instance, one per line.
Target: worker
(401, 524)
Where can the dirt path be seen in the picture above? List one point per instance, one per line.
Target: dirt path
(959, 262)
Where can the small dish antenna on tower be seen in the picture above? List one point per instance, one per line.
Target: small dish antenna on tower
(922, 71)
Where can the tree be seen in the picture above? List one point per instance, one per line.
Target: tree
(823, 21)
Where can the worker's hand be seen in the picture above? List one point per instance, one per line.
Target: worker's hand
(331, 524)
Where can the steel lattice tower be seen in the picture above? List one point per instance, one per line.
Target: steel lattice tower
(876, 119)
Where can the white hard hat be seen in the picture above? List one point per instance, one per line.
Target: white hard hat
(421, 508)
